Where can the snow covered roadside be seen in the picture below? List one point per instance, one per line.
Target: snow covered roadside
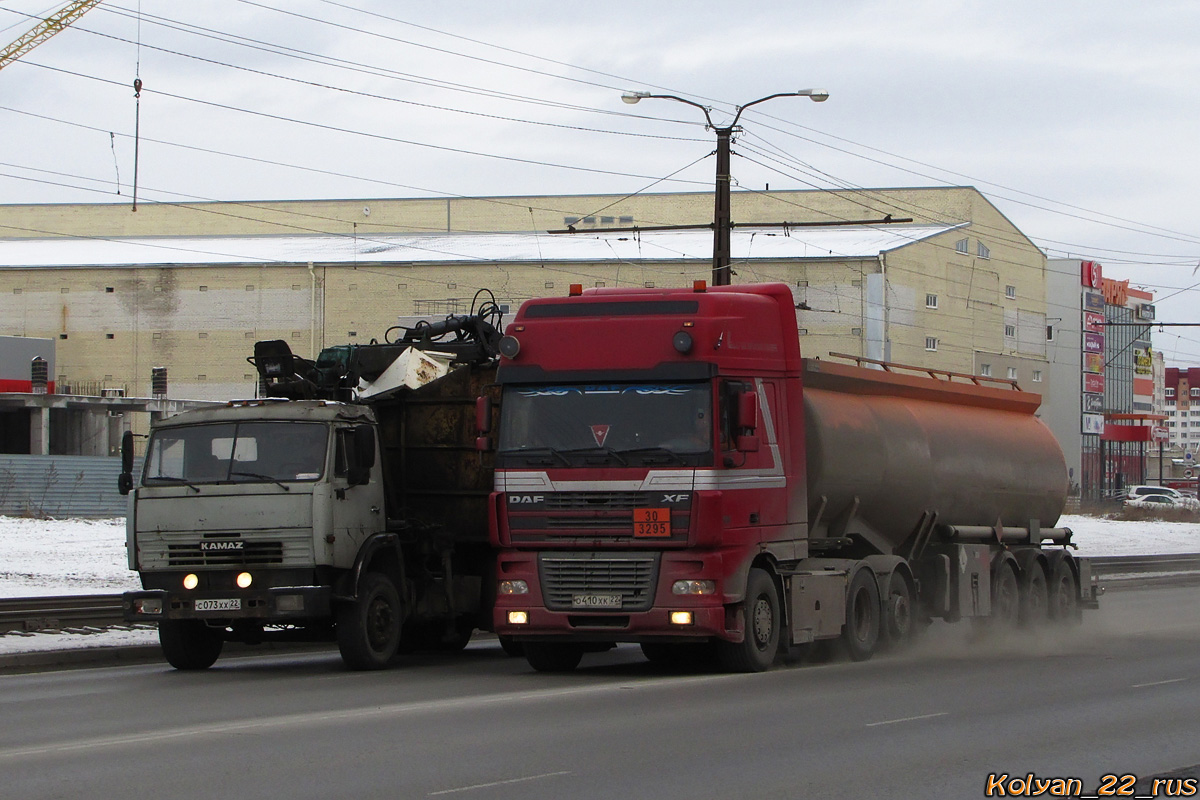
(59, 557)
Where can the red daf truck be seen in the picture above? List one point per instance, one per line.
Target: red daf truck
(670, 471)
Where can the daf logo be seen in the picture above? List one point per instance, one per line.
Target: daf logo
(210, 547)
(514, 499)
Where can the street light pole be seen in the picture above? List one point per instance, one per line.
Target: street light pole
(722, 211)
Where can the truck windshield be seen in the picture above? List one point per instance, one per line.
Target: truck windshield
(246, 452)
(623, 424)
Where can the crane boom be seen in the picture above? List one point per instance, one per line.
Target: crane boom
(45, 29)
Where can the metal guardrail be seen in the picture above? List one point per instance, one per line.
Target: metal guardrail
(68, 613)
(91, 612)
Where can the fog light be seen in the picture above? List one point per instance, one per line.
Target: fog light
(289, 602)
(147, 606)
(694, 587)
(518, 618)
(191, 581)
(244, 579)
(681, 618)
(513, 587)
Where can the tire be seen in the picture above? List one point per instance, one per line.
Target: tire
(1035, 595)
(860, 634)
(1063, 594)
(189, 644)
(368, 630)
(760, 619)
(511, 646)
(1006, 597)
(553, 656)
(899, 614)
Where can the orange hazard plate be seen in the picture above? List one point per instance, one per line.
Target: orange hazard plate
(651, 522)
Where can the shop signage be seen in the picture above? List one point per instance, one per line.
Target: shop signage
(1093, 383)
(1093, 423)
(1093, 403)
(1091, 274)
(1093, 342)
(1093, 322)
(1093, 301)
(1093, 362)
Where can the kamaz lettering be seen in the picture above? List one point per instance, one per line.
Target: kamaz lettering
(210, 547)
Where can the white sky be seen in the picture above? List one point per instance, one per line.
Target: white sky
(1075, 118)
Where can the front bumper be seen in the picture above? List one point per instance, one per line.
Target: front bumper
(708, 622)
(275, 604)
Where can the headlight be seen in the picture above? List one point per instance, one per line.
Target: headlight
(681, 618)
(694, 587)
(191, 581)
(513, 587)
(244, 579)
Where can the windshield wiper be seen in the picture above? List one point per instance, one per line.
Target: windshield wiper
(606, 450)
(528, 451)
(173, 479)
(656, 450)
(259, 475)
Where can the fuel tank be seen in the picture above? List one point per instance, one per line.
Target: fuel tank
(883, 448)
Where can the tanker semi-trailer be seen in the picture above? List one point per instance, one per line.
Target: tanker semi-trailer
(670, 471)
(305, 518)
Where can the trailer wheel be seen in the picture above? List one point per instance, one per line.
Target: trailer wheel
(189, 644)
(553, 656)
(760, 618)
(1006, 596)
(899, 615)
(1035, 595)
(860, 635)
(1063, 594)
(368, 630)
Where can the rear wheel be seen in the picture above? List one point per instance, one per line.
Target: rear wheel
(899, 615)
(861, 632)
(1006, 596)
(189, 644)
(1063, 593)
(1035, 596)
(760, 620)
(368, 630)
(553, 656)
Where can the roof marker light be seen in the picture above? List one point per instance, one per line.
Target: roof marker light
(576, 290)
(699, 286)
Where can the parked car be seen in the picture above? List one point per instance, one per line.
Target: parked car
(1178, 499)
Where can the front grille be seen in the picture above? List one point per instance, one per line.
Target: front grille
(595, 514)
(633, 576)
(253, 553)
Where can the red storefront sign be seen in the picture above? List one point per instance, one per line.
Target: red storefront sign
(1093, 322)
(1093, 383)
(1091, 274)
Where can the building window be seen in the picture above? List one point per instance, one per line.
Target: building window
(570, 220)
(961, 246)
(606, 220)
(1037, 376)
(931, 301)
(802, 331)
(109, 336)
(985, 370)
(599, 284)
(204, 288)
(1012, 373)
(856, 331)
(549, 284)
(649, 284)
(1049, 333)
(982, 250)
(1196, 392)
(589, 220)
(203, 335)
(931, 343)
(62, 336)
(249, 287)
(1010, 331)
(1170, 392)
(1010, 292)
(625, 220)
(109, 289)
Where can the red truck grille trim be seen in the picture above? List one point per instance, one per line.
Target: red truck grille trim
(633, 576)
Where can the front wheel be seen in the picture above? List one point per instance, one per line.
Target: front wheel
(760, 617)
(368, 630)
(189, 644)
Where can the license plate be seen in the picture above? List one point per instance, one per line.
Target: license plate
(596, 601)
(224, 604)
(651, 522)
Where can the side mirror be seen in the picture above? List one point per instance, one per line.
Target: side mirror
(747, 410)
(125, 479)
(483, 414)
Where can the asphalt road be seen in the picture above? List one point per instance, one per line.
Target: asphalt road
(1119, 695)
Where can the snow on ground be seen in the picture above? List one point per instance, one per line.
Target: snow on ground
(58, 557)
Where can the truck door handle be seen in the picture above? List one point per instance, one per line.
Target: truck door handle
(374, 509)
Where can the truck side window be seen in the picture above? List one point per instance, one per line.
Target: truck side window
(341, 468)
(727, 411)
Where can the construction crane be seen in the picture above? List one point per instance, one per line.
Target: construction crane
(45, 29)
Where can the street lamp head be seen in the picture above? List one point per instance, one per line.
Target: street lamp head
(633, 97)
(816, 95)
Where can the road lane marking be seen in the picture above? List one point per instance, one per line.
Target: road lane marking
(1158, 683)
(355, 715)
(906, 719)
(499, 783)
